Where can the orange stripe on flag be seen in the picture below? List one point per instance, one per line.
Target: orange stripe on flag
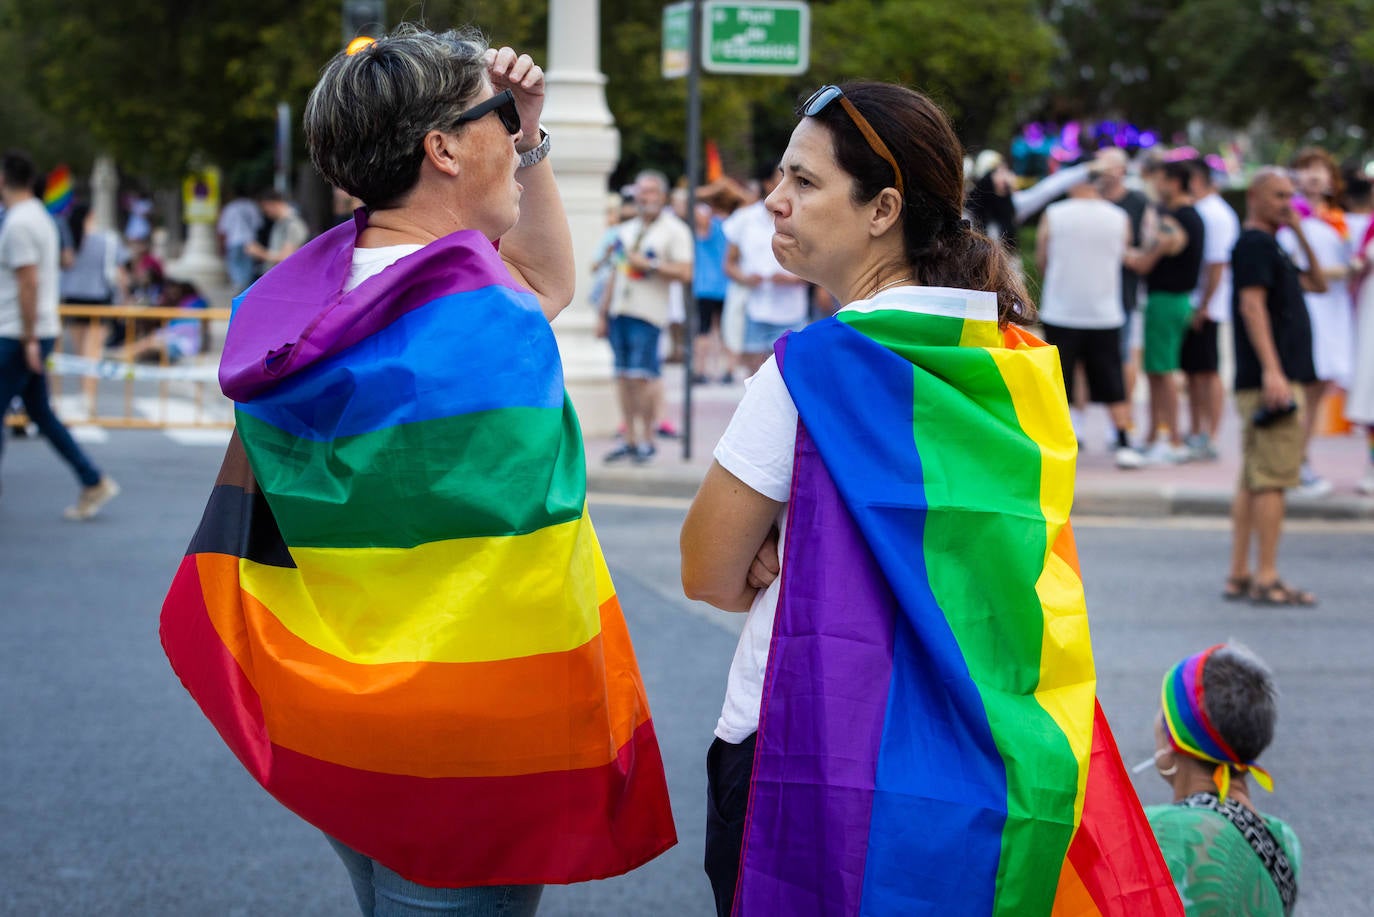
(1072, 898)
(474, 719)
(1067, 549)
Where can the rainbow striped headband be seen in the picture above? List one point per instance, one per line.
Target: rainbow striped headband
(1190, 729)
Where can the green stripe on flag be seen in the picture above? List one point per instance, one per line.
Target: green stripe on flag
(982, 482)
(474, 475)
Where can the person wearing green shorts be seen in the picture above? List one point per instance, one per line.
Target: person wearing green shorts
(1167, 317)
(1170, 262)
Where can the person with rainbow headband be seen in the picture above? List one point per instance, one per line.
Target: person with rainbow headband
(1217, 717)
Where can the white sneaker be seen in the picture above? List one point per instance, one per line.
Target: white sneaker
(1366, 484)
(92, 498)
(1311, 484)
(1127, 457)
(1163, 452)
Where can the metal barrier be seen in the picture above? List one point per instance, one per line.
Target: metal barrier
(163, 375)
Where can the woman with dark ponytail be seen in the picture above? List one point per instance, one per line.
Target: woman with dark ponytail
(889, 505)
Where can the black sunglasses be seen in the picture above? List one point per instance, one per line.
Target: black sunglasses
(503, 103)
(824, 96)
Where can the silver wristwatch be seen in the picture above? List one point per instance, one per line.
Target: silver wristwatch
(535, 155)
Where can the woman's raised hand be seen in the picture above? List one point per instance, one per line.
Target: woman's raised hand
(520, 74)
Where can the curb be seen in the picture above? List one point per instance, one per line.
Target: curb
(682, 483)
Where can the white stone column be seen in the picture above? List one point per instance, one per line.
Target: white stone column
(105, 193)
(586, 147)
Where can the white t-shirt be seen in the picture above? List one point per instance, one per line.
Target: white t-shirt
(751, 231)
(239, 222)
(1087, 242)
(757, 448)
(1332, 312)
(29, 237)
(1222, 229)
(649, 298)
(368, 262)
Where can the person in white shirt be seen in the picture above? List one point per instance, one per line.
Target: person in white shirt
(1080, 247)
(1200, 359)
(655, 251)
(1331, 311)
(778, 299)
(29, 326)
(238, 227)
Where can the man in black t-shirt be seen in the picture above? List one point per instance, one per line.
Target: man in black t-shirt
(1170, 266)
(1273, 359)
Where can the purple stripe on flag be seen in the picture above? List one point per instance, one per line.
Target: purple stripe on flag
(824, 706)
(298, 314)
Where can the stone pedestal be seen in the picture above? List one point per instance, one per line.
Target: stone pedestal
(586, 149)
(201, 264)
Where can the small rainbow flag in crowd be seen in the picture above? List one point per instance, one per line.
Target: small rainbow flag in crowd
(930, 739)
(57, 191)
(396, 611)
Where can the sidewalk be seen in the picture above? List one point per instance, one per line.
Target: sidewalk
(1198, 489)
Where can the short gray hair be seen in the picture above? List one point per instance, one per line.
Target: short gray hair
(370, 111)
(654, 175)
(1241, 699)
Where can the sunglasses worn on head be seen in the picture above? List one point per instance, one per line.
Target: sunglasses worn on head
(827, 94)
(503, 103)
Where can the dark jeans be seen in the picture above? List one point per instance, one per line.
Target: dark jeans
(17, 379)
(729, 769)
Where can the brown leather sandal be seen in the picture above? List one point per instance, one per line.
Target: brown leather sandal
(1279, 593)
(1237, 588)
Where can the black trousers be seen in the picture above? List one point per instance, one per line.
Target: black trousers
(728, 772)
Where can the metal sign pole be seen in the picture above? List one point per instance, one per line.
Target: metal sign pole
(693, 180)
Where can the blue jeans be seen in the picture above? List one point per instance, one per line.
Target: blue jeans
(16, 379)
(241, 268)
(634, 342)
(382, 892)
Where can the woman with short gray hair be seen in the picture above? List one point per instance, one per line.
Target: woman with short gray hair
(415, 644)
(1217, 717)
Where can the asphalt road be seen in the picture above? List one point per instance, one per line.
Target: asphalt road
(118, 798)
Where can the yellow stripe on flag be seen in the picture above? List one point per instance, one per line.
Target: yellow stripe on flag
(463, 600)
(1068, 683)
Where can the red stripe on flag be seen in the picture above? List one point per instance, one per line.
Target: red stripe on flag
(1114, 851)
(554, 827)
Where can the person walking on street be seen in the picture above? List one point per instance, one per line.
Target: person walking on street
(29, 326)
(1273, 363)
(1079, 248)
(1171, 268)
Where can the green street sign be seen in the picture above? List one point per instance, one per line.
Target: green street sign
(767, 37)
(677, 38)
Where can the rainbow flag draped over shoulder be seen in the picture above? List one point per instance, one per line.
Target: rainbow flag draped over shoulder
(930, 740)
(395, 610)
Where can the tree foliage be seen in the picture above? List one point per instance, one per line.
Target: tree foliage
(163, 83)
